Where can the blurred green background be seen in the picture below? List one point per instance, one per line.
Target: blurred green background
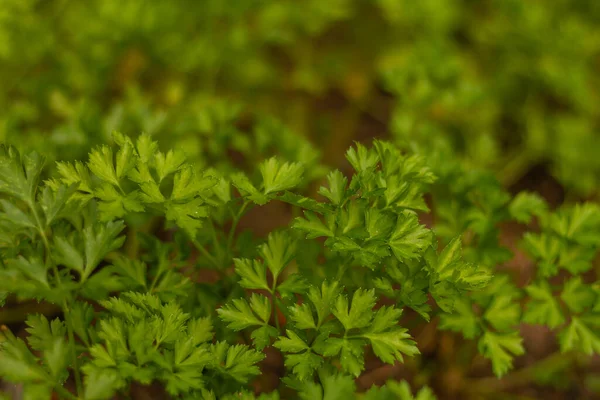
(510, 85)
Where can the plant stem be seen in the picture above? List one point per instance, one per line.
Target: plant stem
(276, 316)
(219, 254)
(65, 305)
(274, 303)
(515, 166)
(41, 230)
(69, 323)
(343, 268)
(206, 254)
(19, 312)
(517, 378)
(154, 281)
(65, 393)
(234, 224)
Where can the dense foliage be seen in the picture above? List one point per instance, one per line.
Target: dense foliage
(176, 211)
(141, 308)
(505, 84)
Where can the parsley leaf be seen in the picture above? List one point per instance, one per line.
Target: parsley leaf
(500, 348)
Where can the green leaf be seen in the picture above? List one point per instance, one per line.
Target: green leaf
(291, 344)
(293, 284)
(114, 204)
(253, 274)
(278, 252)
(351, 217)
(32, 268)
(545, 248)
(398, 390)
(34, 391)
(151, 192)
(17, 364)
(361, 310)
(351, 354)
(577, 295)
(187, 216)
(449, 257)
(579, 336)
(261, 305)
(462, 319)
(503, 313)
(451, 277)
(246, 189)
(100, 385)
(278, 177)
(55, 357)
(333, 387)
(388, 340)
(75, 174)
(401, 194)
(303, 202)
(577, 259)
(409, 239)
(543, 308)
(14, 215)
(580, 224)
(261, 337)
(336, 193)
(221, 188)
(169, 163)
(302, 316)
(323, 299)
(19, 175)
(67, 254)
(525, 205)
(379, 224)
(54, 202)
(464, 275)
(501, 348)
(99, 240)
(363, 160)
(126, 157)
(188, 184)
(82, 315)
(238, 315)
(43, 333)
(200, 330)
(238, 361)
(101, 164)
(313, 226)
(303, 365)
(146, 148)
(242, 395)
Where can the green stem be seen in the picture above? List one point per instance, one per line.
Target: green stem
(516, 166)
(65, 306)
(65, 393)
(41, 230)
(220, 255)
(19, 312)
(519, 377)
(206, 254)
(234, 224)
(342, 270)
(154, 281)
(69, 323)
(276, 316)
(274, 303)
(131, 247)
